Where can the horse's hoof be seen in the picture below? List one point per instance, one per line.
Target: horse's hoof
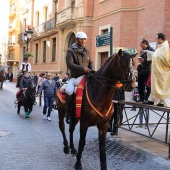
(18, 113)
(78, 166)
(73, 151)
(66, 150)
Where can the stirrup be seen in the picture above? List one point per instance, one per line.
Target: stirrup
(16, 101)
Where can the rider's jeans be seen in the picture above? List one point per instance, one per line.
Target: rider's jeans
(70, 87)
(48, 103)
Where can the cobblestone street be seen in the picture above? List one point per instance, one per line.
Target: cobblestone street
(36, 144)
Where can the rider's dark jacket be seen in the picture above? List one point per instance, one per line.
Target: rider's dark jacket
(145, 67)
(26, 82)
(77, 58)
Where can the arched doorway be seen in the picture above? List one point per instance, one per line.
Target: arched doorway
(72, 39)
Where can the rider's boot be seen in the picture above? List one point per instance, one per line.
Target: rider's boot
(69, 106)
(27, 115)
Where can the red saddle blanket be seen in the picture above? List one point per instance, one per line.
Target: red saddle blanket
(79, 97)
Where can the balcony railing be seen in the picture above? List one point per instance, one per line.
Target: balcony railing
(43, 28)
(10, 56)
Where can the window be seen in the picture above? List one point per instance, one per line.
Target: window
(72, 3)
(105, 31)
(24, 25)
(45, 14)
(101, 1)
(37, 18)
(72, 6)
(44, 52)
(55, 10)
(104, 57)
(36, 53)
(53, 58)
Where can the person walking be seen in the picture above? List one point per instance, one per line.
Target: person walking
(50, 89)
(144, 69)
(79, 62)
(35, 78)
(40, 81)
(117, 116)
(160, 72)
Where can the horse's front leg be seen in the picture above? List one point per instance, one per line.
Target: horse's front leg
(83, 132)
(18, 109)
(71, 130)
(102, 145)
(26, 112)
(30, 109)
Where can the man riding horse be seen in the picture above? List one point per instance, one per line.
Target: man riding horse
(25, 83)
(25, 66)
(79, 62)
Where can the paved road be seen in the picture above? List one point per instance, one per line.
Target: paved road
(36, 144)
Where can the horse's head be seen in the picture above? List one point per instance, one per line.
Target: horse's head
(30, 93)
(125, 67)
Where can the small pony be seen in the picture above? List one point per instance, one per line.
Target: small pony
(27, 100)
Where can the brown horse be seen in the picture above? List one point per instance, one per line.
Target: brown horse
(97, 106)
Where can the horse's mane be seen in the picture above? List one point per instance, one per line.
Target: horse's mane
(108, 60)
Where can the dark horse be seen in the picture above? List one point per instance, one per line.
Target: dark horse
(2, 78)
(27, 100)
(97, 107)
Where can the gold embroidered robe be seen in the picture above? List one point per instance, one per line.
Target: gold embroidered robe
(160, 71)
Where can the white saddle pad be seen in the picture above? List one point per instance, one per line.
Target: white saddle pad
(76, 83)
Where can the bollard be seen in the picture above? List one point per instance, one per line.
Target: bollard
(40, 100)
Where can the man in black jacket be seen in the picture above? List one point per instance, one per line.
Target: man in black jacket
(79, 62)
(25, 83)
(144, 69)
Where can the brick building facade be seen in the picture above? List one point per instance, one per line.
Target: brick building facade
(55, 22)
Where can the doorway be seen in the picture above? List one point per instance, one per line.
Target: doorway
(104, 57)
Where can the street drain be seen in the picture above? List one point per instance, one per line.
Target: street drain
(5, 133)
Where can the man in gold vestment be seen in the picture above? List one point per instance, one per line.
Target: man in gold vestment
(160, 73)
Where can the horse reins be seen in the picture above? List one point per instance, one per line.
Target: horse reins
(100, 79)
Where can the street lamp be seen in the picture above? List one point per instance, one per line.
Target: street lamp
(27, 37)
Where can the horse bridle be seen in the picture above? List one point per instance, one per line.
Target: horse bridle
(130, 78)
(31, 96)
